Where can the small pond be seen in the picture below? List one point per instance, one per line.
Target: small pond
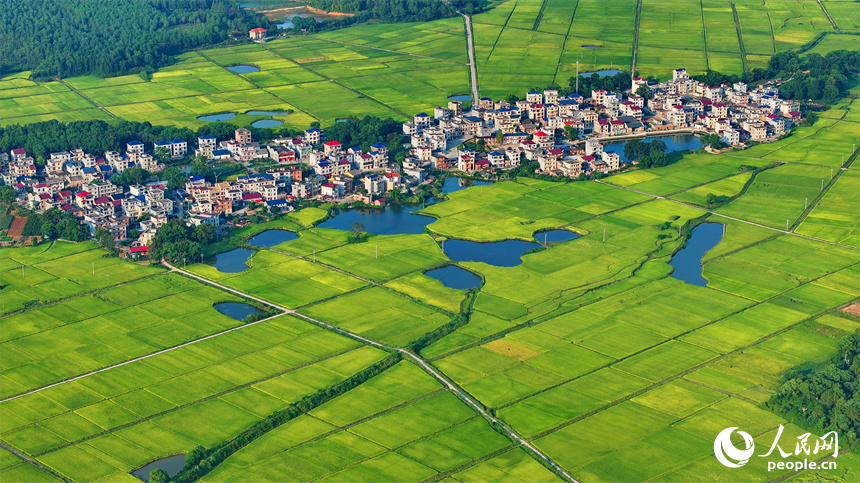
(460, 97)
(395, 219)
(687, 262)
(232, 261)
(237, 310)
(172, 465)
(602, 73)
(500, 254)
(270, 238)
(556, 236)
(674, 142)
(453, 276)
(592, 47)
(266, 123)
(287, 24)
(267, 113)
(243, 69)
(217, 117)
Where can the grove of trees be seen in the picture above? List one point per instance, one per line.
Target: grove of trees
(65, 38)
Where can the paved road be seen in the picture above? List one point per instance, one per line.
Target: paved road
(470, 47)
(727, 216)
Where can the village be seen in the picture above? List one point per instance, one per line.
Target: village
(564, 136)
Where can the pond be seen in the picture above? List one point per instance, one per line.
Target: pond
(217, 117)
(500, 254)
(270, 238)
(172, 465)
(687, 262)
(674, 142)
(556, 236)
(266, 123)
(243, 69)
(237, 310)
(394, 219)
(593, 47)
(453, 276)
(460, 97)
(287, 24)
(232, 261)
(267, 113)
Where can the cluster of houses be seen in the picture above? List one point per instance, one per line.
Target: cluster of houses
(533, 129)
(311, 167)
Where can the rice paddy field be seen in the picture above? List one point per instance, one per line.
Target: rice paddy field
(398, 70)
(590, 350)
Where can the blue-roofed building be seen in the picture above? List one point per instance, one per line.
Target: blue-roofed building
(134, 147)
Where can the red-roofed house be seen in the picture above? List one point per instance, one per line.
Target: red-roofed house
(257, 33)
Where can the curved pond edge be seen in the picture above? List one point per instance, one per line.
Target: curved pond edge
(449, 265)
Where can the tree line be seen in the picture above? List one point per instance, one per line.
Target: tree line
(65, 38)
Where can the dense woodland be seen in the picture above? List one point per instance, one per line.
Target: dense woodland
(65, 38)
(826, 398)
(388, 11)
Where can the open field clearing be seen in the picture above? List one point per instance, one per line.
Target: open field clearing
(428, 290)
(778, 195)
(844, 14)
(60, 270)
(835, 217)
(119, 420)
(59, 341)
(380, 315)
(692, 171)
(830, 146)
(283, 280)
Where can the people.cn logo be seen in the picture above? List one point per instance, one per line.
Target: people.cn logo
(725, 451)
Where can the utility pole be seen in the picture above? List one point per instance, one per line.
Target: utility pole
(577, 77)
(544, 240)
(786, 225)
(822, 184)
(22, 271)
(806, 204)
(315, 256)
(604, 234)
(94, 268)
(377, 251)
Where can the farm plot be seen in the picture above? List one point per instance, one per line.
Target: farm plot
(428, 290)
(835, 217)
(48, 103)
(730, 186)
(829, 146)
(379, 314)
(55, 342)
(117, 421)
(589, 261)
(691, 171)
(398, 426)
(519, 209)
(778, 194)
(536, 62)
(45, 273)
(283, 279)
(383, 257)
(721, 37)
(844, 13)
(766, 269)
(797, 134)
(444, 39)
(611, 39)
(632, 325)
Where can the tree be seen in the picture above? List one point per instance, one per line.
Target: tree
(571, 133)
(644, 91)
(104, 238)
(500, 137)
(357, 229)
(204, 234)
(7, 194)
(174, 177)
(159, 476)
(195, 456)
(161, 154)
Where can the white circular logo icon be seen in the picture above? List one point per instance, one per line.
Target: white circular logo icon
(725, 451)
